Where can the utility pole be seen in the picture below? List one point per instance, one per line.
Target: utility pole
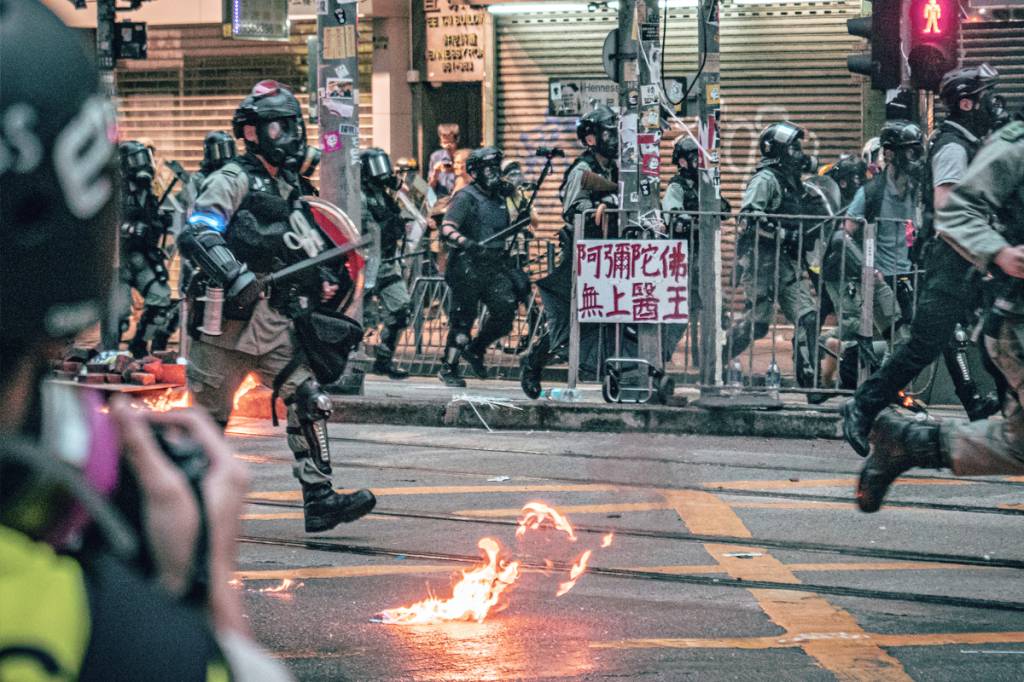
(106, 59)
(337, 81)
(709, 193)
(639, 76)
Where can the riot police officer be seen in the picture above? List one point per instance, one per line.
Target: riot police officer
(142, 260)
(590, 184)
(949, 297)
(849, 173)
(479, 270)
(249, 221)
(382, 219)
(681, 204)
(774, 190)
(993, 185)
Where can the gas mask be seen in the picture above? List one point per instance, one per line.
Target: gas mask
(796, 161)
(282, 142)
(490, 180)
(995, 110)
(608, 143)
(910, 161)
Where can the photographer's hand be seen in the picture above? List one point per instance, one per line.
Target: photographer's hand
(170, 515)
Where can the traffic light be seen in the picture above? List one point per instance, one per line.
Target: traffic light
(882, 31)
(934, 41)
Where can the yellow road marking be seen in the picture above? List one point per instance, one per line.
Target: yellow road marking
(800, 640)
(1019, 507)
(314, 572)
(846, 651)
(570, 509)
(287, 495)
(822, 483)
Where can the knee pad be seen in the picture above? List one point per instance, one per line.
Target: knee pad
(311, 402)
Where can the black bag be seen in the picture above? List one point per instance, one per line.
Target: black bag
(326, 339)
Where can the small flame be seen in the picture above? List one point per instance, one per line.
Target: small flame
(250, 382)
(171, 399)
(287, 585)
(606, 541)
(578, 567)
(473, 597)
(535, 514)
(236, 583)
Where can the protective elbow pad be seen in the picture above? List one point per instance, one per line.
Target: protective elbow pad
(207, 251)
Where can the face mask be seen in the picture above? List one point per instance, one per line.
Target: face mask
(910, 161)
(608, 143)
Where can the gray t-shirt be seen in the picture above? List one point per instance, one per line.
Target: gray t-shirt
(949, 165)
(891, 227)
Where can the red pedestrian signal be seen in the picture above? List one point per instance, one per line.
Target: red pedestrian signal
(934, 41)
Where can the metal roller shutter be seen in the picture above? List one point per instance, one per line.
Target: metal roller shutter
(1001, 44)
(194, 79)
(784, 61)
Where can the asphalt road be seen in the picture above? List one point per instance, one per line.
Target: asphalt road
(733, 559)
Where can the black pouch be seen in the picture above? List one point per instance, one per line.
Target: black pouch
(326, 339)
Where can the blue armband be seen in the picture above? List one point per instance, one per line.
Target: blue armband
(209, 220)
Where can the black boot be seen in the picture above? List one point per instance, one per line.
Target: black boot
(476, 361)
(324, 509)
(982, 407)
(899, 444)
(384, 365)
(450, 374)
(856, 426)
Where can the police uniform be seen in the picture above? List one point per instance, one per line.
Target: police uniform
(143, 267)
(950, 294)
(382, 219)
(992, 187)
(773, 191)
(486, 276)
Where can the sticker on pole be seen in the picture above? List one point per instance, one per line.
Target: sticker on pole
(632, 280)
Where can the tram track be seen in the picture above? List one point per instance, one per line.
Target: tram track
(767, 543)
(321, 545)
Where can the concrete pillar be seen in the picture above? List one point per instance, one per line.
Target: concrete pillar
(392, 95)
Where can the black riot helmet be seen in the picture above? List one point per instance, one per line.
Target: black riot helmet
(136, 162)
(218, 149)
(603, 124)
(280, 131)
(977, 84)
(685, 149)
(484, 166)
(905, 140)
(780, 145)
(849, 172)
(375, 169)
(58, 181)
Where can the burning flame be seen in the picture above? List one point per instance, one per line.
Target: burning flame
(472, 598)
(578, 567)
(287, 585)
(171, 399)
(479, 591)
(535, 514)
(250, 382)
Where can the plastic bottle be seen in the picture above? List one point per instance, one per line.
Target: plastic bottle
(735, 377)
(562, 395)
(773, 377)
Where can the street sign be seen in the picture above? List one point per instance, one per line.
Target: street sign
(573, 97)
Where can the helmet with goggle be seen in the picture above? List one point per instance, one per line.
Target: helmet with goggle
(218, 149)
(905, 140)
(136, 162)
(603, 124)
(484, 166)
(375, 168)
(685, 148)
(780, 145)
(977, 84)
(848, 168)
(273, 111)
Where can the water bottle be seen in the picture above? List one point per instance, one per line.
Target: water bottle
(562, 395)
(773, 377)
(735, 377)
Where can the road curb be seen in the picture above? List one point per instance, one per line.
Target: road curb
(589, 417)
